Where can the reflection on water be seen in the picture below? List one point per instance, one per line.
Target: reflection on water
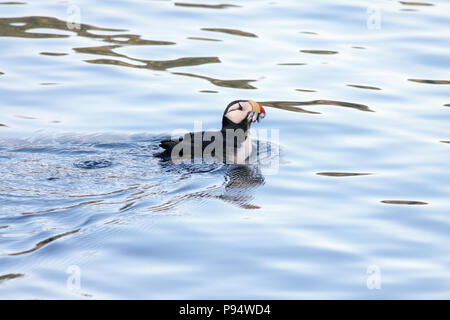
(92, 173)
(319, 51)
(240, 182)
(153, 65)
(292, 105)
(353, 189)
(363, 87)
(53, 54)
(237, 84)
(305, 90)
(24, 117)
(85, 161)
(408, 3)
(11, 2)
(407, 202)
(10, 275)
(342, 174)
(232, 31)
(291, 64)
(203, 39)
(7, 28)
(42, 243)
(20, 27)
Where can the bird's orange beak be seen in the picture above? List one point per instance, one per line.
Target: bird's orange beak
(256, 107)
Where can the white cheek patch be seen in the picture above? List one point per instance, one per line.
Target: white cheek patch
(236, 116)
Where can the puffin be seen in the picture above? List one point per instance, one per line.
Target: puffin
(232, 144)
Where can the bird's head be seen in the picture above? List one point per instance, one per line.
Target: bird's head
(240, 114)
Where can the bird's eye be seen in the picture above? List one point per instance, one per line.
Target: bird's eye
(240, 107)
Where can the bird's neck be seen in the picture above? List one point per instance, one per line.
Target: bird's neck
(237, 132)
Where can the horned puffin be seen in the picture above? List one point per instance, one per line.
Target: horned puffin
(232, 144)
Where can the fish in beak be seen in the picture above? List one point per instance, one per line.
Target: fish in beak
(258, 112)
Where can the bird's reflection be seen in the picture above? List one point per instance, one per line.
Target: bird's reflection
(241, 184)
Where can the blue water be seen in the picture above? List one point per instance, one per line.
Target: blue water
(358, 91)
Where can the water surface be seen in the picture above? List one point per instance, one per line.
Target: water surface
(358, 91)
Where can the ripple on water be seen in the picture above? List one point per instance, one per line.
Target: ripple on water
(93, 164)
(53, 54)
(410, 3)
(305, 90)
(430, 81)
(292, 105)
(342, 174)
(319, 51)
(35, 149)
(331, 219)
(234, 32)
(203, 39)
(159, 65)
(24, 117)
(133, 175)
(291, 64)
(10, 276)
(12, 3)
(206, 6)
(9, 28)
(404, 202)
(237, 84)
(363, 87)
(44, 242)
